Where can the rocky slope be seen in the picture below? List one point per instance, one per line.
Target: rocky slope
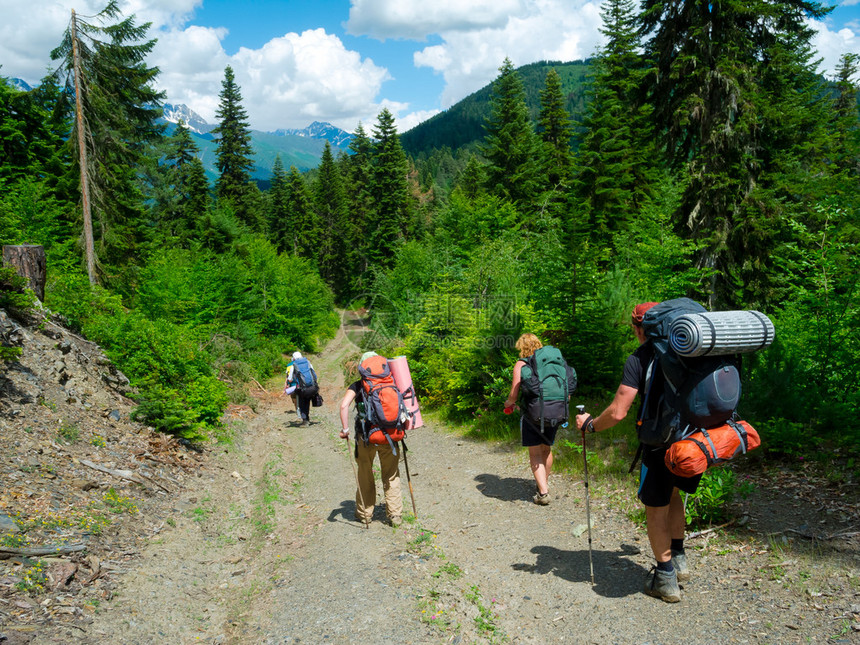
(83, 485)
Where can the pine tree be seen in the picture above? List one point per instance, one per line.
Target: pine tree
(29, 146)
(554, 129)
(277, 207)
(616, 153)
(390, 219)
(360, 184)
(185, 179)
(109, 83)
(846, 130)
(511, 146)
(304, 233)
(334, 256)
(234, 149)
(740, 103)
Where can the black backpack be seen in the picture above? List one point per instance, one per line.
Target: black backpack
(683, 394)
(547, 382)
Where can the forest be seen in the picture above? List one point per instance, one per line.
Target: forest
(711, 158)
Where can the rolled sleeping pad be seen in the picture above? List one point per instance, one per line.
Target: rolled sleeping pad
(290, 389)
(716, 333)
(403, 380)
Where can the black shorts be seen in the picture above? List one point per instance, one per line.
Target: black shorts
(531, 434)
(656, 482)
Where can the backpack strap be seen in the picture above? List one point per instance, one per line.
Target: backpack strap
(649, 382)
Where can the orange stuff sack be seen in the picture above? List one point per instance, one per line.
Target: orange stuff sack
(693, 455)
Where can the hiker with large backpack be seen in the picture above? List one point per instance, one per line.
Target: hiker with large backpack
(686, 372)
(302, 382)
(380, 422)
(546, 382)
(658, 487)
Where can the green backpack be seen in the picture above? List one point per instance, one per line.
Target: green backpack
(547, 382)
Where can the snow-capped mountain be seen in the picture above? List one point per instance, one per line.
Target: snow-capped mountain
(18, 84)
(193, 121)
(320, 130)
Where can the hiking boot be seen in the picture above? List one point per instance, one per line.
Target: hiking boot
(303, 423)
(679, 561)
(395, 521)
(663, 585)
(541, 500)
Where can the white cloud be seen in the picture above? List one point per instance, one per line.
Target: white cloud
(299, 78)
(418, 19)
(412, 119)
(553, 30)
(30, 30)
(831, 45)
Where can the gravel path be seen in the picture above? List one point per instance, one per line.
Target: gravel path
(263, 549)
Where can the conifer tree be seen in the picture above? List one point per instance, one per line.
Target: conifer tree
(472, 180)
(554, 129)
(390, 219)
(616, 152)
(360, 184)
(108, 81)
(334, 256)
(277, 207)
(845, 125)
(740, 104)
(511, 146)
(304, 233)
(234, 149)
(28, 144)
(185, 179)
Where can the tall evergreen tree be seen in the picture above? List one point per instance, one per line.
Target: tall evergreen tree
(185, 165)
(554, 129)
(28, 144)
(118, 112)
(511, 146)
(390, 189)
(616, 152)
(845, 125)
(360, 186)
(277, 207)
(234, 149)
(334, 256)
(738, 98)
(304, 233)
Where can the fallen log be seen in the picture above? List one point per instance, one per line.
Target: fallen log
(7, 552)
(124, 474)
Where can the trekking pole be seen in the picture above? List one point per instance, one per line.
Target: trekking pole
(409, 478)
(357, 484)
(581, 409)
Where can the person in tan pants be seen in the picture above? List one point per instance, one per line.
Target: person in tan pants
(365, 452)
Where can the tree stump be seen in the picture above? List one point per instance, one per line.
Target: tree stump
(30, 263)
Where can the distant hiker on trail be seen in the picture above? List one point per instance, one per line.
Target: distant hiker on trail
(658, 487)
(371, 441)
(546, 382)
(302, 383)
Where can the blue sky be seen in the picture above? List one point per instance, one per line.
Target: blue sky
(342, 61)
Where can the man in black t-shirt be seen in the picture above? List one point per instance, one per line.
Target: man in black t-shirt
(659, 489)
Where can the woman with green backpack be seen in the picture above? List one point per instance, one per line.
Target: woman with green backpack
(538, 442)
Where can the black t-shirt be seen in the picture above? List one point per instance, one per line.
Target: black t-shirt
(636, 367)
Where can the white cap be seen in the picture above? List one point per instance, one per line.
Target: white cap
(297, 355)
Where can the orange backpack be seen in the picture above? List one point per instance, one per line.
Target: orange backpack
(385, 413)
(694, 454)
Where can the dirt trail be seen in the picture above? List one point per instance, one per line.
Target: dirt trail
(264, 549)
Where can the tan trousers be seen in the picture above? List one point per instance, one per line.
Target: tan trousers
(389, 466)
